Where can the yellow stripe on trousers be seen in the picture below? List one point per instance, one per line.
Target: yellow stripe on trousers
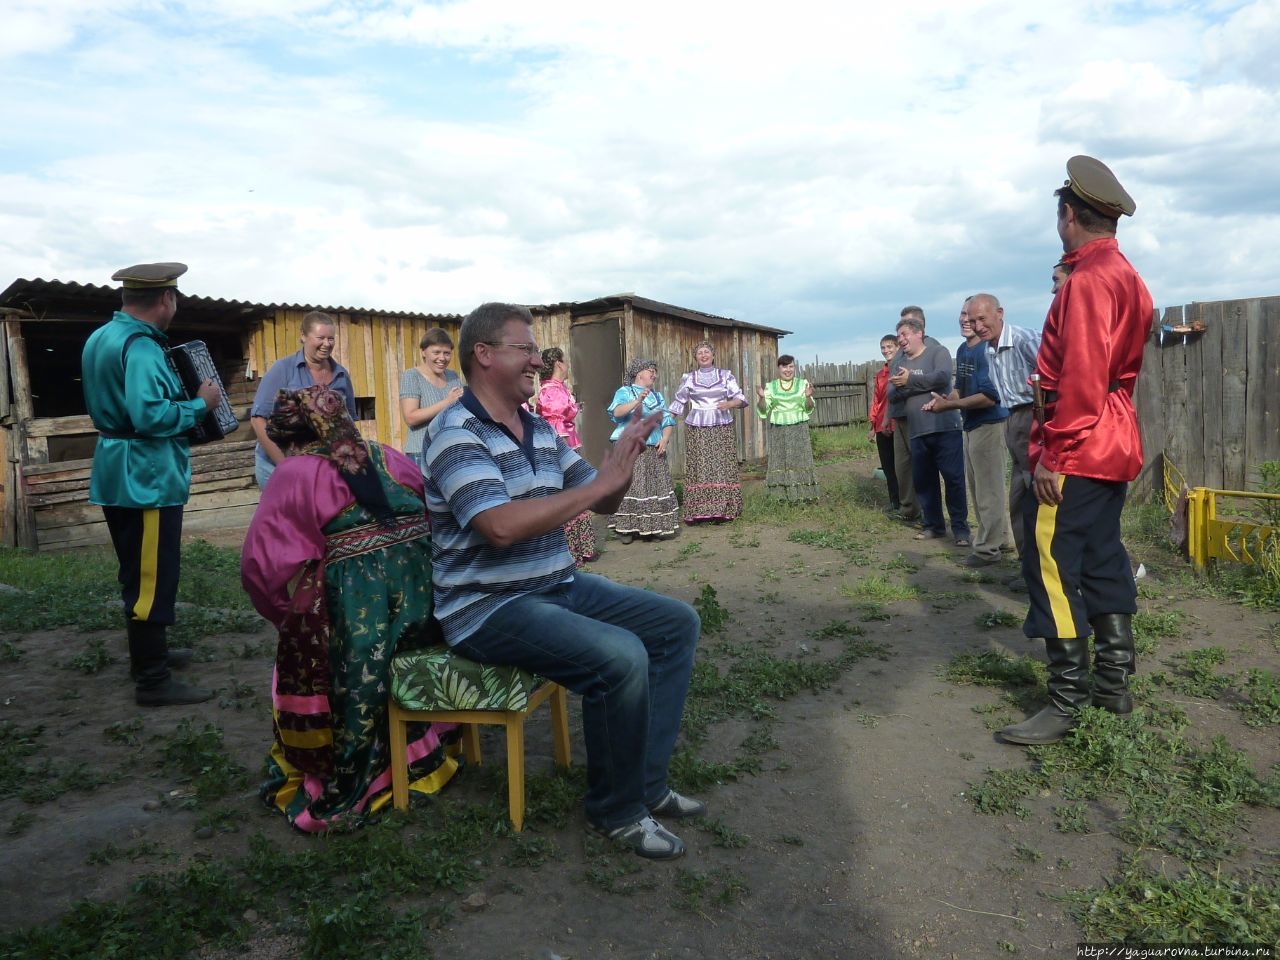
(1050, 577)
(148, 564)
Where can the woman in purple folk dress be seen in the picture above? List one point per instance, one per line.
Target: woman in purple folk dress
(712, 486)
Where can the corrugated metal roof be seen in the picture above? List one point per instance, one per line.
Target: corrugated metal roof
(49, 298)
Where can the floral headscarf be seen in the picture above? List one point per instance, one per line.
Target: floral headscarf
(638, 364)
(314, 420)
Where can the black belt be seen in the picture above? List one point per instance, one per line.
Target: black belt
(1021, 406)
(1051, 396)
(118, 435)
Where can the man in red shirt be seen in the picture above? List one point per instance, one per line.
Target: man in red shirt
(1084, 451)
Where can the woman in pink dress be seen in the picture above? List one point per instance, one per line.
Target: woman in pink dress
(557, 406)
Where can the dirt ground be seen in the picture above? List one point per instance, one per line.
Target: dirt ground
(861, 841)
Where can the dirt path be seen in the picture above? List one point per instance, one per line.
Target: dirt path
(860, 841)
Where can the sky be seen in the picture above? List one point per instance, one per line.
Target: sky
(809, 165)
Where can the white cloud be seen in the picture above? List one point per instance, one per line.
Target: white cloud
(806, 167)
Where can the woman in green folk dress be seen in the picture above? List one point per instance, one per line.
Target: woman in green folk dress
(344, 519)
(787, 403)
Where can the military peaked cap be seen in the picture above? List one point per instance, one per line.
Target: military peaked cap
(1093, 182)
(150, 276)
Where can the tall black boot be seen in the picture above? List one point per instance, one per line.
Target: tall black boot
(149, 666)
(1068, 692)
(1114, 661)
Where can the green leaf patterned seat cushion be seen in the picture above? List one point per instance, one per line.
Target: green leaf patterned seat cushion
(435, 678)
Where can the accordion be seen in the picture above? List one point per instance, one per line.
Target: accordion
(193, 365)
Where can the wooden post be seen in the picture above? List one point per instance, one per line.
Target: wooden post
(24, 518)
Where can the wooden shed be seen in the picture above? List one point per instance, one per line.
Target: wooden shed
(47, 438)
(600, 337)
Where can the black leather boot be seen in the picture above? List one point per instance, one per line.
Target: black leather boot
(149, 666)
(1068, 692)
(179, 658)
(1114, 660)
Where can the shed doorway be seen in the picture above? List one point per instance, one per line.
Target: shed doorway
(595, 373)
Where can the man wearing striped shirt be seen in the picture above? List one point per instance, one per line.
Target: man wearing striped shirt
(1011, 352)
(500, 486)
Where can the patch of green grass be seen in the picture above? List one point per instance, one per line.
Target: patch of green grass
(992, 668)
(854, 548)
(124, 732)
(999, 618)
(875, 589)
(689, 549)
(1027, 854)
(713, 615)
(1262, 692)
(10, 652)
(1174, 795)
(723, 835)
(840, 443)
(1199, 906)
(1151, 626)
(79, 591)
(531, 850)
(695, 890)
(197, 756)
(949, 599)
(1194, 676)
(1002, 791)
(94, 658)
(1071, 818)
(17, 743)
(109, 854)
(20, 824)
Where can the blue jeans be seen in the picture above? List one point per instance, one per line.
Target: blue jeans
(262, 469)
(629, 653)
(940, 453)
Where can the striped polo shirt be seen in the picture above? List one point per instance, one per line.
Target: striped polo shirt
(474, 464)
(1012, 361)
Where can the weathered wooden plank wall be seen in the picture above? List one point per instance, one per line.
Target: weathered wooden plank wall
(1210, 401)
(842, 392)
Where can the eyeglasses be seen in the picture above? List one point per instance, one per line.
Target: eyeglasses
(530, 349)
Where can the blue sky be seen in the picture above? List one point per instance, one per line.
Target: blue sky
(805, 166)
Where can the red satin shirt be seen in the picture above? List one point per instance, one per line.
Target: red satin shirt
(1093, 339)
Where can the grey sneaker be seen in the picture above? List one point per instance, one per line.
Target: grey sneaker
(645, 838)
(677, 807)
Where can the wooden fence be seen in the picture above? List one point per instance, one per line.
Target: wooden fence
(841, 391)
(1209, 400)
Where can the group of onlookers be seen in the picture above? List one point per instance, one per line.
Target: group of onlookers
(950, 432)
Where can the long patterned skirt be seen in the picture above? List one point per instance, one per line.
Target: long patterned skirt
(712, 487)
(649, 509)
(329, 764)
(791, 474)
(582, 538)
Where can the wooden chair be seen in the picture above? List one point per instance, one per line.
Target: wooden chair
(439, 686)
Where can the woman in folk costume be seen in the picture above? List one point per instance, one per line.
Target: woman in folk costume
(557, 406)
(712, 486)
(345, 519)
(649, 510)
(787, 403)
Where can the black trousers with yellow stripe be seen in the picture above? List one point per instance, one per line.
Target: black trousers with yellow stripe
(1073, 560)
(148, 545)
